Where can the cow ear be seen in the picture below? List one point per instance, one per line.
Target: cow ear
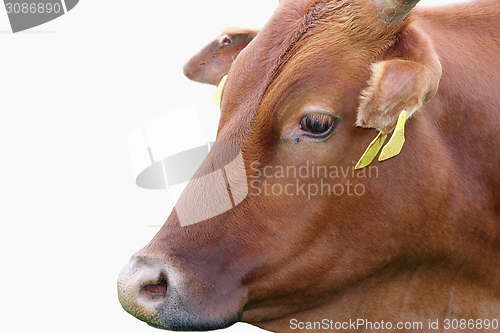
(406, 80)
(213, 62)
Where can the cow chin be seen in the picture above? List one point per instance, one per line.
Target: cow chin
(167, 299)
(172, 316)
(175, 319)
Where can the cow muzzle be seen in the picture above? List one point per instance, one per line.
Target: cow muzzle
(155, 291)
(142, 288)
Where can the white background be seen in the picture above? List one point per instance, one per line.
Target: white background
(71, 92)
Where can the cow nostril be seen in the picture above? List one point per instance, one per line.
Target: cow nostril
(155, 291)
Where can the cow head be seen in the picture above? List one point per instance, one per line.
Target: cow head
(311, 91)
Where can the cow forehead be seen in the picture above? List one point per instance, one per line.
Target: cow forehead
(259, 63)
(255, 66)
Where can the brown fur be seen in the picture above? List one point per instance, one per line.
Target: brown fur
(423, 242)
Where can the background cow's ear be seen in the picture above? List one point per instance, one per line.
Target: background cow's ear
(213, 62)
(406, 80)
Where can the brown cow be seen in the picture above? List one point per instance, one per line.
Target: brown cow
(214, 60)
(414, 246)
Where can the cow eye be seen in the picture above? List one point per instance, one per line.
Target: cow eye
(318, 125)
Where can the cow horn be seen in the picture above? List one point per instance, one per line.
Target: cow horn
(397, 10)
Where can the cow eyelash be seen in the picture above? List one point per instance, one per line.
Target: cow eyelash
(318, 125)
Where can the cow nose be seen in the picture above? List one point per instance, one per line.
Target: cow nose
(154, 291)
(141, 287)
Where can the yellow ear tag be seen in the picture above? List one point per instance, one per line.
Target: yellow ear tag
(218, 93)
(371, 151)
(395, 144)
